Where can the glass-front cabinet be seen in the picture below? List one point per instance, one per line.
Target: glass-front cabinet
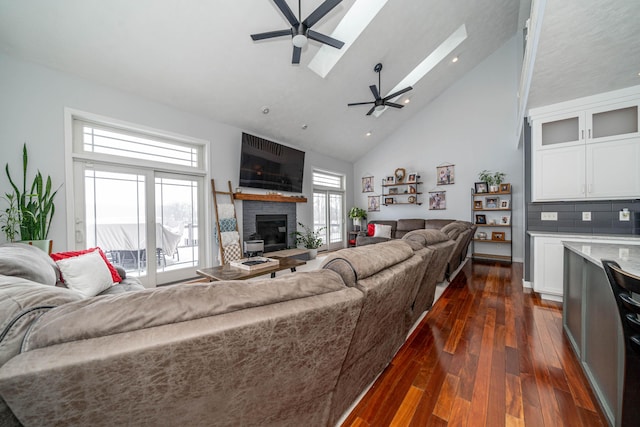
(587, 148)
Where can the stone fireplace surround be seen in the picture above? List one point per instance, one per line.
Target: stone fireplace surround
(251, 208)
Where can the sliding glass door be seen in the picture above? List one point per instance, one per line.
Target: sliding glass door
(328, 208)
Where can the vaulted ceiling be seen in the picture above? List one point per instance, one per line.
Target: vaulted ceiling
(197, 56)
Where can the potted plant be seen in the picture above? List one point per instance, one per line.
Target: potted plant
(309, 239)
(10, 218)
(493, 179)
(357, 215)
(35, 207)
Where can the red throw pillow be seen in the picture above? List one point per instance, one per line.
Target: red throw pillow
(63, 255)
(371, 229)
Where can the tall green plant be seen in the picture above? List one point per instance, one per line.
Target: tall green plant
(35, 207)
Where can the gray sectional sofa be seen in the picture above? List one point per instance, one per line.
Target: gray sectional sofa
(461, 232)
(290, 351)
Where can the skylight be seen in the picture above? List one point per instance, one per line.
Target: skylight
(350, 27)
(440, 53)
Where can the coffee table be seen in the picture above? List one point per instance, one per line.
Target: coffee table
(227, 272)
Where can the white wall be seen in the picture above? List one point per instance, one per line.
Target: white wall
(471, 125)
(32, 111)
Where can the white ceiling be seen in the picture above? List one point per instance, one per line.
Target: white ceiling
(586, 47)
(197, 56)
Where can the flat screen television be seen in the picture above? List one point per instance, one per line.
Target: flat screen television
(269, 165)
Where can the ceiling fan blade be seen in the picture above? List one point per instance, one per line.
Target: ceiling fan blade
(392, 104)
(400, 92)
(320, 12)
(324, 39)
(360, 103)
(374, 91)
(271, 34)
(372, 110)
(296, 55)
(286, 11)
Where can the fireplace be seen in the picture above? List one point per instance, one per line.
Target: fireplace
(252, 209)
(273, 230)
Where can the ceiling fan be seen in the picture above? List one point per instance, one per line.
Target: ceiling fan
(380, 102)
(300, 31)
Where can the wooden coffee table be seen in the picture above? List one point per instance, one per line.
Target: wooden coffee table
(227, 272)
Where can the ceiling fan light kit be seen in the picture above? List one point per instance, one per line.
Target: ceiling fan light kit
(300, 31)
(380, 103)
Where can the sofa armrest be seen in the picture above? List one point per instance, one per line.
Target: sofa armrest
(121, 271)
(369, 240)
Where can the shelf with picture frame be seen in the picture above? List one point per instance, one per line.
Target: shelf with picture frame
(491, 213)
(401, 188)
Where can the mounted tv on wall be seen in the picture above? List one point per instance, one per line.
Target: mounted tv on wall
(269, 165)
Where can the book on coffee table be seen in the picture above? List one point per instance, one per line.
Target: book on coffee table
(255, 263)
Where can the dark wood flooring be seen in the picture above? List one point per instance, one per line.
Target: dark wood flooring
(487, 354)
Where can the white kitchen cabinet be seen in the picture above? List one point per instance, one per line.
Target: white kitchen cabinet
(588, 148)
(548, 267)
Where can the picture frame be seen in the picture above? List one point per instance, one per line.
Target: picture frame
(505, 188)
(437, 200)
(504, 204)
(389, 200)
(412, 178)
(412, 189)
(481, 187)
(477, 204)
(491, 202)
(400, 174)
(481, 219)
(498, 235)
(367, 184)
(393, 190)
(373, 204)
(505, 220)
(390, 180)
(445, 174)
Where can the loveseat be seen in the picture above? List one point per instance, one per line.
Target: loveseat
(290, 351)
(461, 232)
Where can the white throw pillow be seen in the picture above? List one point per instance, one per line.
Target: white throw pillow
(382, 231)
(86, 274)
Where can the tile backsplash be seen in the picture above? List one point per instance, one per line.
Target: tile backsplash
(605, 217)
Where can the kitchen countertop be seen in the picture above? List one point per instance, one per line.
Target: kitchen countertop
(627, 255)
(594, 237)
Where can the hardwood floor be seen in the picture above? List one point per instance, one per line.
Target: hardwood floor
(487, 354)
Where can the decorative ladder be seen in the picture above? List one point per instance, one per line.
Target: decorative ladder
(226, 226)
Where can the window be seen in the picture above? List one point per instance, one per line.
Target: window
(139, 195)
(328, 207)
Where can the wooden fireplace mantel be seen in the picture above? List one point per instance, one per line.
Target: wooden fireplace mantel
(269, 198)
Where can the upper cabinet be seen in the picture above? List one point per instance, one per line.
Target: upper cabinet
(587, 149)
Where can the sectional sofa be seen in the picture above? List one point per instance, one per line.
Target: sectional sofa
(290, 351)
(461, 232)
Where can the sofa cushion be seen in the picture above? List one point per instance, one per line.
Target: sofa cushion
(371, 229)
(86, 274)
(113, 314)
(426, 237)
(115, 275)
(382, 231)
(27, 262)
(21, 302)
(358, 263)
(406, 225)
(453, 229)
(436, 224)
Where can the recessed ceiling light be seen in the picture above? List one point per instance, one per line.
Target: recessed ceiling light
(368, 133)
(406, 101)
(455, 59)
(304, 126)
(265, 110)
